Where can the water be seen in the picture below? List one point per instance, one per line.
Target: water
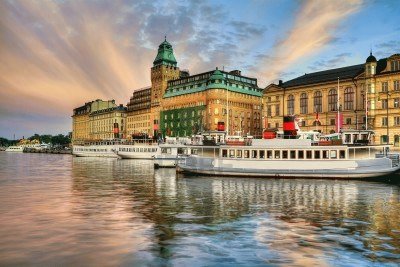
(63, 211)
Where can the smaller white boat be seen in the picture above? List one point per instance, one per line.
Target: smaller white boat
(137, 150)
(170, 154)
(15, 149)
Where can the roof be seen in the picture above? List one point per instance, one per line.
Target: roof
(371, 58)
(326, 76)
(165, 55)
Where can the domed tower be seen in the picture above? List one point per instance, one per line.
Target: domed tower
(370, 65)
(164, 69)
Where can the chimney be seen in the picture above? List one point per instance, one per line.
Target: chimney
(280, 82)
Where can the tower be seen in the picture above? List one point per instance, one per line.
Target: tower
(164, 69)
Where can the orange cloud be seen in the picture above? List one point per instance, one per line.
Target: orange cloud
(314, 28)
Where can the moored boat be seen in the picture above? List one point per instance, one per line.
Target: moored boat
(137, 149)
(295, 158)
(15, 149)
(170, 154)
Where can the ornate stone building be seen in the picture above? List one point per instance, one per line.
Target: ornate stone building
(367, 96)
(200, 102)
(98, 120)
(80, 123)
(178, 104)
(139, 113)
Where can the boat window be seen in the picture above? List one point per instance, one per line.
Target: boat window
(292, 154)
(317, 154)
(342, 154)
(300, 154)
(194, 151)
(224, 153)
(325, 154)
(277, 154)
(284, 154)
(269, 154)
(246, 154)
(254, 154)
(347, 138)
(239, 153)
(309, 154)
(333, 154)
(231, 153)
(262, 154)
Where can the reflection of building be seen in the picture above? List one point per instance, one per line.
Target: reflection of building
(315, 98)
(99, 120)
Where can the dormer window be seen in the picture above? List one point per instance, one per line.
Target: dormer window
(395, 65)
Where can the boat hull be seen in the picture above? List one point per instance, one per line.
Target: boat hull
(352, 169)
(131, 155)
(94, 151)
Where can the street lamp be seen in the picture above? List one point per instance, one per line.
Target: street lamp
(387, 115)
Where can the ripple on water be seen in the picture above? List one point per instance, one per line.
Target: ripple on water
(56, 209)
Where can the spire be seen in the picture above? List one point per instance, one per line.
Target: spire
(165, 55)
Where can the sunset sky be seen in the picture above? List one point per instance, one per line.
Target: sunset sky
(57, 55)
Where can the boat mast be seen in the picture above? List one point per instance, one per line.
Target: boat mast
(366, 107)
(227, 108)
(338, 106)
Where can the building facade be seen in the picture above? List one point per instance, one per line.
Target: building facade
(366, 95)
(99, 120)
(200, 102)
(139, 113)
(80, 123)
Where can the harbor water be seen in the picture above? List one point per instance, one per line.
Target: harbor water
(59, 210)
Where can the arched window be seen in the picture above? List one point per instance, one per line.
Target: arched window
(290, 105)
(349, 98)
(318, 102)
(303, 103)
(332, 100)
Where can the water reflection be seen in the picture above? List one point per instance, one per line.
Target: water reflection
(123, 212)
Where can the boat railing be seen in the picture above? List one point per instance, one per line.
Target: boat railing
(359, 152)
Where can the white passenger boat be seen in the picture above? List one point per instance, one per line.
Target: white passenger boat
(168, 155)
(95, 150)
(293, 158)
(137, 150)
(15, 149)
(104, 149)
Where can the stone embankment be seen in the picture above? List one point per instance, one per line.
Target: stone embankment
(48, 151)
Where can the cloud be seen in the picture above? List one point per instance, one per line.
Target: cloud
(386, 49)
(336, 61)
(314, 28)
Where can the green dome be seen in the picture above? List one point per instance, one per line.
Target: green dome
(165, 55)
(217, 75)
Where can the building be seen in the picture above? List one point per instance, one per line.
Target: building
(98, 120)
(107, 120)
(80, 123)
(367, 96)
(200, 102)
(139, 113)
(178, 104)
(164, 69)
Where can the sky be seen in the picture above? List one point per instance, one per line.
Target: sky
(55, 55)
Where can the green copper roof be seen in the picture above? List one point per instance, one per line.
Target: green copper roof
(217, 75)
(165, 55)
